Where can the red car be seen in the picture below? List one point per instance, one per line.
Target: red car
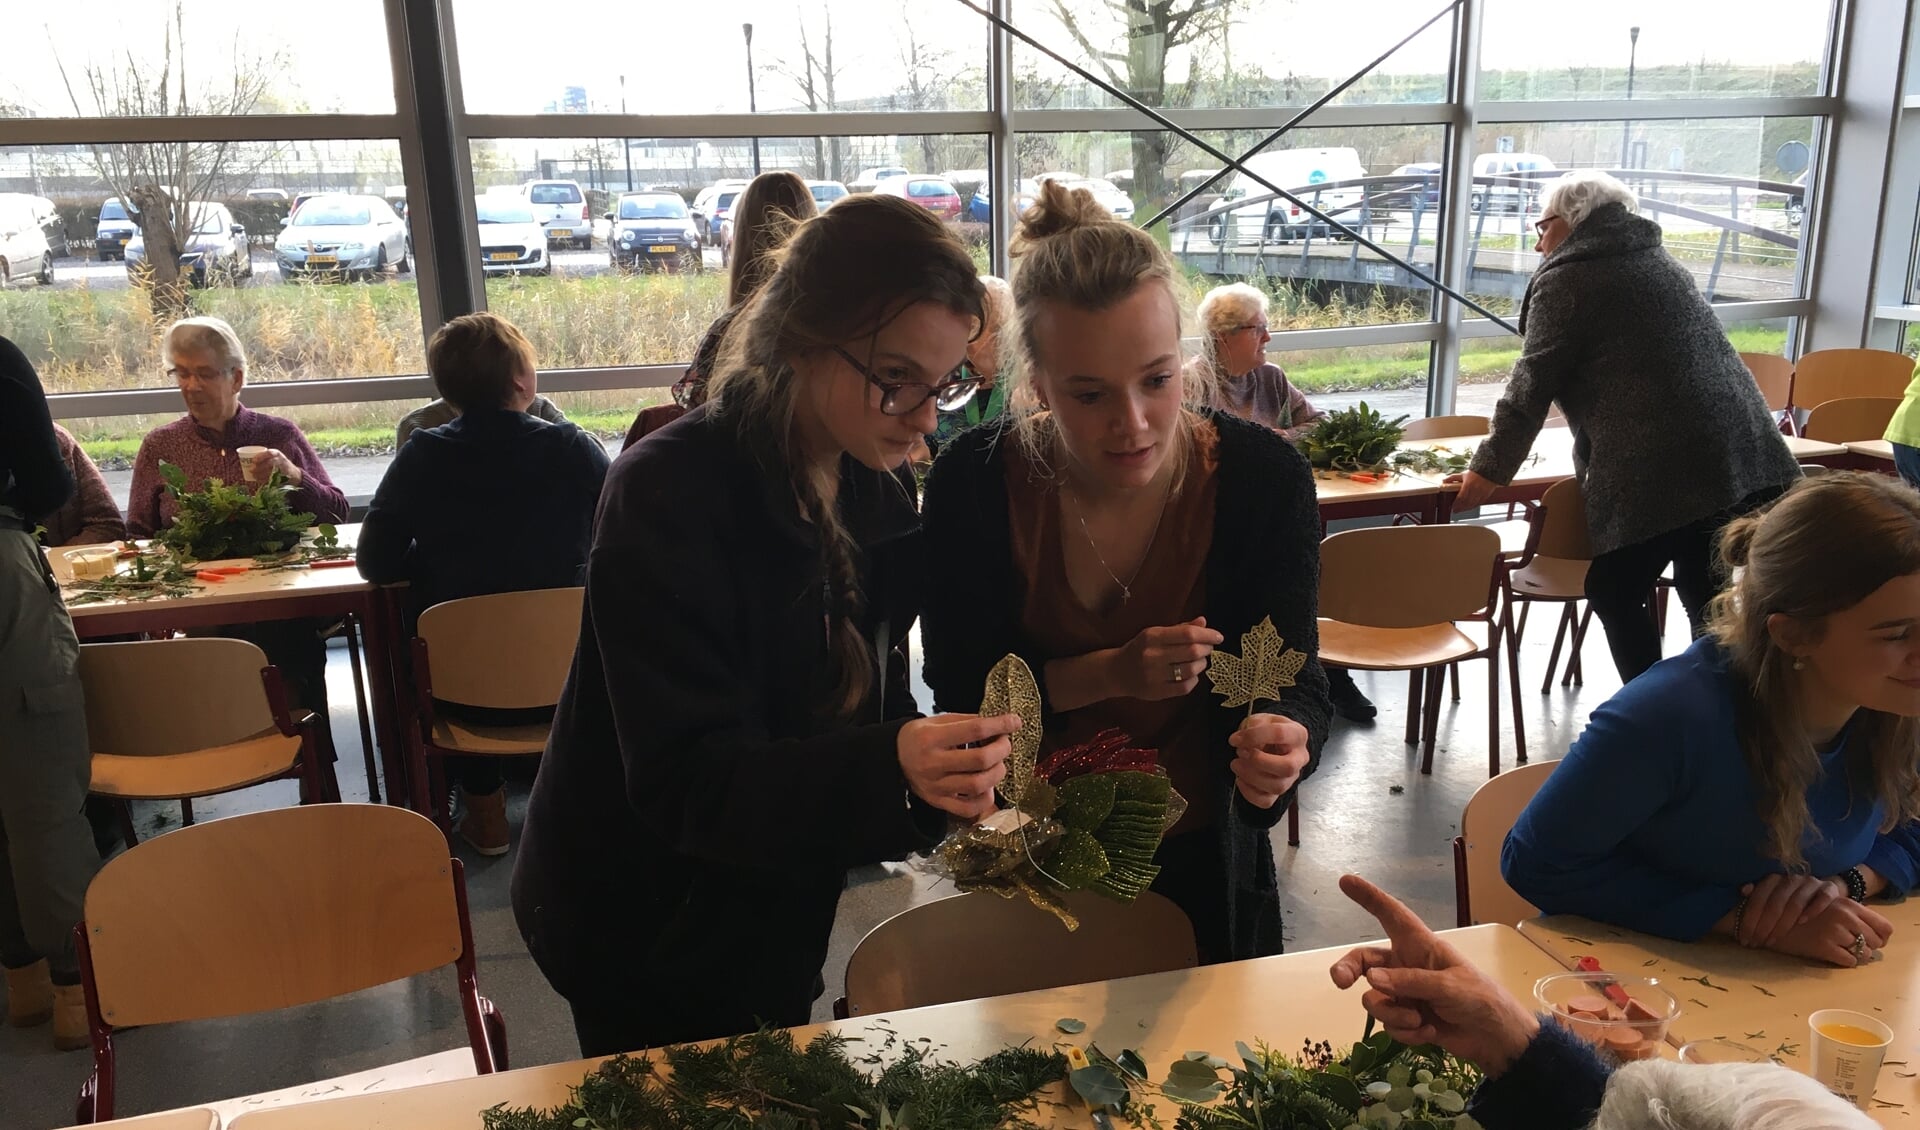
(932, 193)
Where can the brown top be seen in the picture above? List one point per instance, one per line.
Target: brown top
(90, 515)
(1170, 589)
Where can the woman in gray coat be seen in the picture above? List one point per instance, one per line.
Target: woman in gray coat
(1671, 438)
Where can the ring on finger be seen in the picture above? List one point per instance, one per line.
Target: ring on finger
(1859, 947)
(1179, 672)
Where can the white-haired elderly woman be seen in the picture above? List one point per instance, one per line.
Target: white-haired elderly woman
(1250, 386)
(1540, 1076)
(204, 356)
(1672, 439)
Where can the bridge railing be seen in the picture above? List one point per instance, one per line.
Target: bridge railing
(1390, 206)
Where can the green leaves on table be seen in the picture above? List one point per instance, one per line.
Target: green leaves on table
(222, 520)
(1352, 439)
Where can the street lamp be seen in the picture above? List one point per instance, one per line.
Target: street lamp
(752, 107)
(1633, 52)
(626, 144)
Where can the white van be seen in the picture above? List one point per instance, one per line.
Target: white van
(1530, 170)
(1298, 171)
(24, 253)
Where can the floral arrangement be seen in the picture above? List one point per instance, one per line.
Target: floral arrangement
(1087, 818)
(224, 520)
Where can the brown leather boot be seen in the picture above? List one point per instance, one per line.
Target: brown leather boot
(29, 995)
(70, 1018)
(484, 826)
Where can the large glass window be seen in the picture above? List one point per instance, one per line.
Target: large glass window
(1486, 363)
(641, 287)
(1653, 49)
(347, 308)
(1204, 53)
(1391, 378)
(658, 58)
(143, 58)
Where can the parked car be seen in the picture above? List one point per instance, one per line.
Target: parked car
(48, 217)
(1403, 197)
(512, 241)
(1528, 175)
(338, 235)
(825, 192)
(114, 229)
(215, 250)
(869, 179)
(266, 194)
(1298, 171)
(931, 193)
(704, 202)
(24, 253)
(980, 207)
(653, 229)
(561, 208)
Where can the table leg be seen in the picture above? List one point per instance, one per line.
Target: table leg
(379, 630)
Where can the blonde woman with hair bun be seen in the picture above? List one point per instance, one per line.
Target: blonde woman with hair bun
(1113, 530)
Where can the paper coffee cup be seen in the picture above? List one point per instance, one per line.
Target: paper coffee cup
(1848, 1048)
(247, 455)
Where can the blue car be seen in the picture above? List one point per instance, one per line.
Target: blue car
(980, 208)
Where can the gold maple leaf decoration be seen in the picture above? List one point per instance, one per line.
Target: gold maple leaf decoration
(1012, 689)
(1261, 670)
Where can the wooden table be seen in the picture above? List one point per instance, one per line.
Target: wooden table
(1762, 999)
(1283, 1000)
(285, 594)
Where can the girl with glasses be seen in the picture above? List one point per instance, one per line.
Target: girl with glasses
(1121, 531)
(738, 730)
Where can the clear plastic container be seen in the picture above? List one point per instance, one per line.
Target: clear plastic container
(1626, 1017)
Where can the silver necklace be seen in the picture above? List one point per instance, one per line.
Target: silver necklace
(1126, 586)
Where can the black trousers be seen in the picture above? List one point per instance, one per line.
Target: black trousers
(1620, 583)
(1193, 876)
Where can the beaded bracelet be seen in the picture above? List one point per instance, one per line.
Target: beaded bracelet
(1739, 916)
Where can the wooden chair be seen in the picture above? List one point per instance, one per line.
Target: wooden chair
(1774, 376)
(1393, 598)
(1480, 892)
(269, 910)
(507, 651)
(1850, 419)
(182, 718)
(1838, 374)
(1554, 571)
(1447, 427)
(981, 945)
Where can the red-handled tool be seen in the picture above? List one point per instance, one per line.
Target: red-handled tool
(1612, 989)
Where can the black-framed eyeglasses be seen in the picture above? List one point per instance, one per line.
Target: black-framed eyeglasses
(1541, 225)
(899, 398)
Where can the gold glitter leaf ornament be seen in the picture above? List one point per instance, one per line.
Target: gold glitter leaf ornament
(1260, 671)
(1011, 689)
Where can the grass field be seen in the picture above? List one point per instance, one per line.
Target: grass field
(88, 340)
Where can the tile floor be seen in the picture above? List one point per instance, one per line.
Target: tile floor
(1368, 810)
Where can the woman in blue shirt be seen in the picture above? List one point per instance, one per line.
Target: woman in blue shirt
(1762, 785)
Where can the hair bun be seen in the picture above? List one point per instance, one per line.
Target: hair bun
(1736, 540)
(1057, 211)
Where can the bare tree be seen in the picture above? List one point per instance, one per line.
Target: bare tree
(928, 71)
(1151, 30)
(814, 76)
(160, 182)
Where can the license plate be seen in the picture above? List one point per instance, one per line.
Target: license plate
(504, 256)
(121, 239)
(661, 249)
(562, 233)
(323, 261)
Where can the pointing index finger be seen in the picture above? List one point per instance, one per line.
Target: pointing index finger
(1404, 928)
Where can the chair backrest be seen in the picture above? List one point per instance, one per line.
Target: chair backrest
(268, 910)
(981, 945)
(1447, 427)
(1774, 376)
(1851, 419)
(1407, 576)
(1562, 518)
(1834, 374)
(510, 650)
(1484, 825)
(157, 697)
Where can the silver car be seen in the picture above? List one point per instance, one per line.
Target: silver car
(342, 236)
(215, 251)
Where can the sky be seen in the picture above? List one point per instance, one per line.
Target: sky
(518, 59)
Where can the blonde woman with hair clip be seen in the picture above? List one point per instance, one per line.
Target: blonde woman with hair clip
(738, 729)
(1762, 785)
(1120, 531)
